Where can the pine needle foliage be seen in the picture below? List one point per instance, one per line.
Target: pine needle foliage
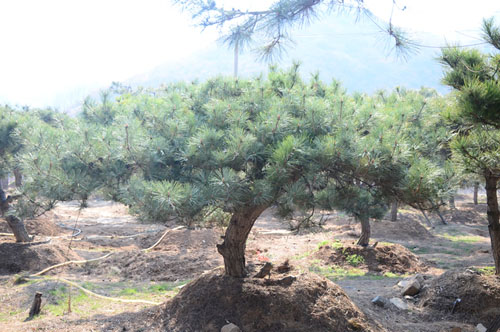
(475, 119)
(235, 145)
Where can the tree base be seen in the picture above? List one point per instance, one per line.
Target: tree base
(281, 303)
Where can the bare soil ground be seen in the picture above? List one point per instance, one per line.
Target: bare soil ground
(404, 248)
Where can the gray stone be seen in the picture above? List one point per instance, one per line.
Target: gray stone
(403, 283)
(420, 278)
(230, 328)
(480, 328)
(380, 301)
(410, 298)
(412, 288)
(398, 303)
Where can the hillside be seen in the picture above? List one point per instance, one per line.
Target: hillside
(336, 46)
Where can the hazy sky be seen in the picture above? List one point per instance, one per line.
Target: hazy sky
(53, 46)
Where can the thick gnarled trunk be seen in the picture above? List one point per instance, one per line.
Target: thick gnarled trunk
(17, 227)
(15, 224)
(364, 239)
(233, 247)
(493, 217)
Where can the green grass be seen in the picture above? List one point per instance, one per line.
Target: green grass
(303, 255)
(487, 270)
(60, 297)
(450, 248)
(335, 272)
(354, 259)
(420, 250)
(323, 243)
(335, 244)
(149, 291)
(167, 286)
(392, 275)
(385, 275)
(128, 292)
(86, 305)
(6, 316)
(462, 238)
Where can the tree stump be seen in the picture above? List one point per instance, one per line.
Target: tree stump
(36, 305)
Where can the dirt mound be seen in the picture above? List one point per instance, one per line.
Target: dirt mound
(303, 303)
(157, 265)
(467, 213)
(383, 258)
(184, 240)
(17, 257)
(479, 295)
(43, 225)
(406, 228)
(182, 254)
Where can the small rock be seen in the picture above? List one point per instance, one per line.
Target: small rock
(288, 280)
(380, 301)
(230, 328)
(403, 283)
(456, 329)
(264, 271)
(285, 267)
(115, 270)
(412, 288)
(419, 278)
(410, 298)
(398, 303)
(480, 328)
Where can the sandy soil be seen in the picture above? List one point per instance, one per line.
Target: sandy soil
(131, 273)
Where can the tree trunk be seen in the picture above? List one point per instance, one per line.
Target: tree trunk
(451, 202)
(476, 190)
(15, 224)
(18, 177)
(233, 247)
(493, 217)
(35, 306)
(364, 239)
(394, 211)
(236, 51)
(427, 219)
(443, 221)
(17, 227)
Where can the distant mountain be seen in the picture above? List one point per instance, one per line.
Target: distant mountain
(336, 46)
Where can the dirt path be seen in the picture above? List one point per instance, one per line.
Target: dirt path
(184, 254)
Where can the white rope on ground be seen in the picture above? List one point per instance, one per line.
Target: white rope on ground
(68, 263)
(121, 236)
(33, 243)
(76, 231)
(161, 238)
(71, 283)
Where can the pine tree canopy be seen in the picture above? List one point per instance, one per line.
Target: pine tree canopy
(271, 27)
(475, 76)
(239, 144)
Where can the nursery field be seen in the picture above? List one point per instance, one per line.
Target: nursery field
(451, 262)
